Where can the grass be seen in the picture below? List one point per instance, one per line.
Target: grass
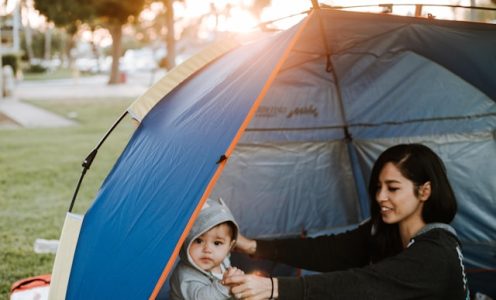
(39, 169)
(59, 73)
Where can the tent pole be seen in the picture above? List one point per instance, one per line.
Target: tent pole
(89, 159)
(355, 167)
(348, 138)
(352, 154)
(330, 68)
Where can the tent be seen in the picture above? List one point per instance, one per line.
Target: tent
(285, 129)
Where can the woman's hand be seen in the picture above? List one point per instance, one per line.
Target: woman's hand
(252, 287)
(231, 271)
(245, 245)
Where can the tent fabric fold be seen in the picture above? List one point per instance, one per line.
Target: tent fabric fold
(277, 113)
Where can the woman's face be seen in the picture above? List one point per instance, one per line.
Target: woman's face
(397, 199)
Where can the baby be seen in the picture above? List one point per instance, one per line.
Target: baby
(205, 256)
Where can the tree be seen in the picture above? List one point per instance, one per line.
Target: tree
(66, 14)
(259, 5)
(28, 37)
(113, 14)
(170, 39)
(165, 19)
(110, 14)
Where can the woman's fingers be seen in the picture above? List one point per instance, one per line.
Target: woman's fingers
(231, 271)
(236, 282)
(234, 279)
(250, 287)
(245, 245)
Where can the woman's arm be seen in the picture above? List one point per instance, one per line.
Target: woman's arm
(429, 269)
(324, 254)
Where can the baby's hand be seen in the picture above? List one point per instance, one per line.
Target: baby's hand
(231, 271)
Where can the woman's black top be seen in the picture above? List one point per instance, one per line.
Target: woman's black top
(430, 268)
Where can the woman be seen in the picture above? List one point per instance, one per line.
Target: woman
(406, 250)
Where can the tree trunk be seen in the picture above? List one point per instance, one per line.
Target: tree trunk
(171, 41)
(28, 36)
(116, 33)
(70, 43)
(48, 43)
(94, 49)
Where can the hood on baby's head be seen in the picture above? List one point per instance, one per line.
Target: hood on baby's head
(213, 212)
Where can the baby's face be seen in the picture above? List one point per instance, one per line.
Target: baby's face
(209, 249)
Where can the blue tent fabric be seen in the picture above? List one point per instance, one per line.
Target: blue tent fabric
(464, 48)
(133, 226)
(393, 80)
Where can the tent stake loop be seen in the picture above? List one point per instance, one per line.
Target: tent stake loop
(222, 158)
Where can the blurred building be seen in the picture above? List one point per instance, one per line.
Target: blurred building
(10, 24)
(10, 50)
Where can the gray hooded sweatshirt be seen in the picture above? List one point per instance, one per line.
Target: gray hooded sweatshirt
(188, 281)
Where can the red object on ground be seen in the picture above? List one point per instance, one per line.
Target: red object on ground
(41, 282)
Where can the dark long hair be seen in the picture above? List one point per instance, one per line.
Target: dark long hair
(419, 164)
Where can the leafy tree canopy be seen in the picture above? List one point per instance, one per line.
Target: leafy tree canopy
(115, 11)
(63, 12)
(67, 12)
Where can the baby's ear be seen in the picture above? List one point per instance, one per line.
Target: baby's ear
(233, 243)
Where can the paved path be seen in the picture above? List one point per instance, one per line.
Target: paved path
(83, 88)
(94, 87)
(30, 116)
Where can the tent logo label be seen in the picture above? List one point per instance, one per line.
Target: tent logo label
(271, 111)
(274, 111)
(304, 110)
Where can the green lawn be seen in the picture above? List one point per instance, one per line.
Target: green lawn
(39, 169)
(60, 73)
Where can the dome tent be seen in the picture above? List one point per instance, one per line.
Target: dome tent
(286, 129)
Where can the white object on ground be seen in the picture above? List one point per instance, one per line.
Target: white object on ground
(45, 246)
(38, 293)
